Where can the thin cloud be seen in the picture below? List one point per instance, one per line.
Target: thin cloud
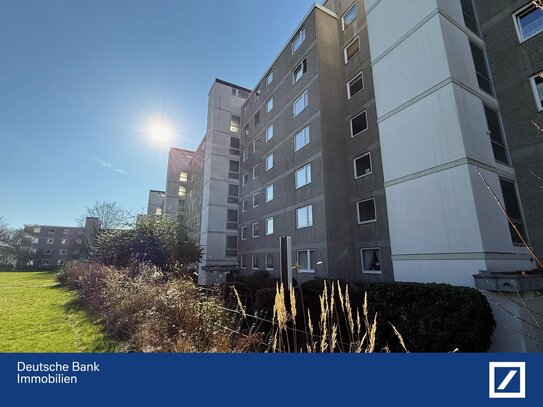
(107, 165)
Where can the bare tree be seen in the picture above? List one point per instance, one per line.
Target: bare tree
(110, 214)
(5, 231)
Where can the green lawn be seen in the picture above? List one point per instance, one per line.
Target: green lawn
(36, 315)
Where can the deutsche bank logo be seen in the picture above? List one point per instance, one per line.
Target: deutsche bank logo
(507, 380)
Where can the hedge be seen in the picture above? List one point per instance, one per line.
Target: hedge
(430, 317)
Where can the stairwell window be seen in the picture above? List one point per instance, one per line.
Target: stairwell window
(349, 16)
(496, 135)
(233, 170)
(298, 40)
(362, 165)
(481, 68)
(366, 211)
(235, 123)
(359, 124)
(355, 85)
(300, 104)
(232, 219)
(529, 21)
(537, 86)
(231, 246)
(352, 49)
(470, 18)
(512, 206)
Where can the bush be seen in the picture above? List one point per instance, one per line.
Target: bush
(430, 317)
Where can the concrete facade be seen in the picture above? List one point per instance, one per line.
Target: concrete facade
(177, 183)
(155, 203)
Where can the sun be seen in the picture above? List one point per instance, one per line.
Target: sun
(160, 133)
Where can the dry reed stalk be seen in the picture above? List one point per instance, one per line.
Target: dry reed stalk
(399, 336)
(240, 305)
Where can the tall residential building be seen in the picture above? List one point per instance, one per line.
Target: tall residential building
(213, 186)
(513, 34)
(176, 183)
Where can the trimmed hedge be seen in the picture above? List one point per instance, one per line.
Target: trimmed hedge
(430, 317)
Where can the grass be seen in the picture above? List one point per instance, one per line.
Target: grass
(39, 316)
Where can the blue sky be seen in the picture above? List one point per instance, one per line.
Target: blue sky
(81, 80)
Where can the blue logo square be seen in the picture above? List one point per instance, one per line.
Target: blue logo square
(505, 381)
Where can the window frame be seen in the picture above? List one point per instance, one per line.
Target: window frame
(268, 188)
(364, 271)
(245, 155)
(245, 179)
(361, 222)
(310, 253)
(310, 218)
(303, 66)
(244, 205)
(343, 25)
(266, 223)
(243, 233)
(349, 95)
(242, 261)
(62, 252)
(269, 78)
(347, 60)
(363, 112)
(299, 33)
(308, 176)
(488, 74)
(503, 140)
(538, 97)
(253, 235)
(516, 22)
(303, 96)
(256, 195)
(268, 107)
(255, 176)
(271, 256)
(253, 257)
(268, 162)
(269, 130)
(354, 165)
(304, 134)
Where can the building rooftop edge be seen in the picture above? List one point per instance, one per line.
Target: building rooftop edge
(232, 85)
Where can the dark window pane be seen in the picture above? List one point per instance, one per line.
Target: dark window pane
(363, 165)
(359, 123)
(353, 49)
(512, 206)
(469, 16)
(356, 85)
(481, 68)
(366, 210)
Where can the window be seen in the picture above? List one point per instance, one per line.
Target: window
(269, 133)
(298, 40)
(32, 250)
(234, 169)
(301, 138)
(231, 246)
(233, 193)
(235, 122)
(496, 135)
(234, 146)
(269, 261)
(304, 217)
(305, 260)
(359, 123)
(352, 49)
(256, 229)
(299, 71)
(48, 252)
(52, 230)
(366, 211)
(302, 176)
(256, 144)
(62, 252)
(244, 233)
(362, 165)
(537, 85)
(182, 190)
(66, 231)
(245, 155)
(371, 261)
(355, 85)
(246, 131)
(64, 241)
(269, 226)
(255, 171)
(269, 193)
(269, 78)
(470, 18)
(481, 68)
(349, 16)
(269, 105)
(255, 261)
(158, 211)
(37, 230)
(232, 219)
(256, 199)
(529, 21)
(60, 262)
(79, 241)
(243, 261)
(269, 162)
(50, 241)
(257, 94)
(35, 240)
(245, 179)
(300, 104)
(183, 176)
(244, 205)
(512, 206)
(242, 94)
(45, 263)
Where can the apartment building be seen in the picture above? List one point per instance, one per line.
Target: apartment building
(155, 203)
(513, 33)
(213, 184)
(45, 246)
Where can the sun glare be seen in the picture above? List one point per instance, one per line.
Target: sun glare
(160, 133)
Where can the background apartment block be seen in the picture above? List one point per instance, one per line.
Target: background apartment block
(51, 246)
(213, 185)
